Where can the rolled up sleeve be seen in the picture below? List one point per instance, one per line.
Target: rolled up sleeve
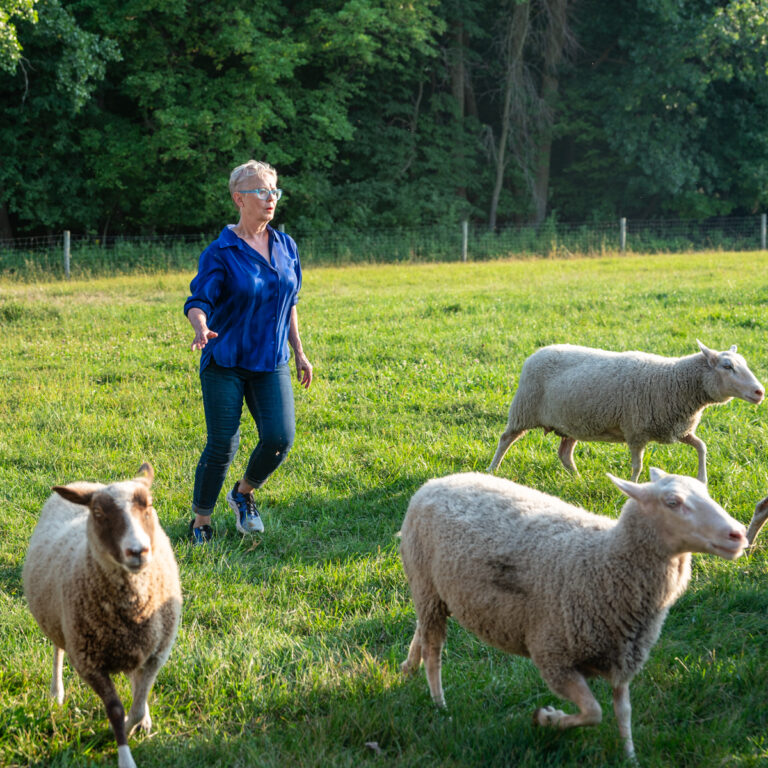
(205, 287)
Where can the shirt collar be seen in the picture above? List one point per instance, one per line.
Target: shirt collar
(228, 238)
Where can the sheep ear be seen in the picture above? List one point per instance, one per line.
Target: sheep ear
(710, 355)
(657, 474)
(733, 347)
(628, 488)
(77, 494)
(146, 474)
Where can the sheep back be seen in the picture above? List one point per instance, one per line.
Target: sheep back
(594, 394)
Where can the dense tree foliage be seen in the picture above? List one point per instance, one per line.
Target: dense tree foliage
(665, 111)
(10, 48)
(127, 115)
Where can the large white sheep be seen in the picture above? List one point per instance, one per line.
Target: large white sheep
(580, 594)
(102, 582)
(588, 394)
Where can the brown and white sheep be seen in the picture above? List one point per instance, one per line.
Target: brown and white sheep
(102, 582)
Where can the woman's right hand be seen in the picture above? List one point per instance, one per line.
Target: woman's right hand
(202, 337)
(199, 323)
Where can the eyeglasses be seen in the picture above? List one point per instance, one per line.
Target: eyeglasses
(262, 193)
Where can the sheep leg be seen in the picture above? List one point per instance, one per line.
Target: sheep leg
(411, 664)
(142, 680)
(623, 710)
(572, 686)
(105, 690)
(758, 520)
(431, 649)
(565, 453)
(637, 452)
(701, 450)
(57, 679)
(507, 438)
(428, 639)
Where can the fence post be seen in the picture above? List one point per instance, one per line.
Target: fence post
(623, 234)
(464, 239)
(762, 231)
(66, 253)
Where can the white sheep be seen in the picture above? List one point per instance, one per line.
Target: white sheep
(102, 582)
(580, 594)
(588, 394)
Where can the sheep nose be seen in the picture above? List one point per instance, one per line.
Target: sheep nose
(738, 534)
(136, 551)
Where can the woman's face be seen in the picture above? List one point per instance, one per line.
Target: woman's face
(250, 206)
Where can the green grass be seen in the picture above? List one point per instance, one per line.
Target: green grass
(290, 644)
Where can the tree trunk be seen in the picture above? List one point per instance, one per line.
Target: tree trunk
(543, 156)
(515, 35)
(557, 42)
(458, 89)
(456, 55)
(6, 231)
(470, 100)
(534, 43)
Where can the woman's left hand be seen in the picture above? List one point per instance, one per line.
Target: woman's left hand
(303, 370)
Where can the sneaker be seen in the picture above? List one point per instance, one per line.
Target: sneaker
(200, 535)
(247, 518)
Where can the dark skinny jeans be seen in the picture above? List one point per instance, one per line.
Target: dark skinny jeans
(269, 398)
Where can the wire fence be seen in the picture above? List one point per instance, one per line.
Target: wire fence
(63, 255)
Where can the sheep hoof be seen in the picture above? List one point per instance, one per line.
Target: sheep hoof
(124, 757)
(134, 726)
(407, 669)
(547, 716)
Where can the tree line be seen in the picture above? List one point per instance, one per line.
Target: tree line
(126, 116)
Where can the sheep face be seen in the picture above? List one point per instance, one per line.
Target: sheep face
(731, 376)
(687, 518)
(122, 520)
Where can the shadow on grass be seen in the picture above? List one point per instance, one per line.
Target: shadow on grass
(10, 579)
(399, 726)
(316, 528)
(700, 694)
(704, 679)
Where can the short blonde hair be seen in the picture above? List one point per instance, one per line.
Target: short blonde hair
(251, 168)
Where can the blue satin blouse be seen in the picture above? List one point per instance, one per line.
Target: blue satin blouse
(246, 300)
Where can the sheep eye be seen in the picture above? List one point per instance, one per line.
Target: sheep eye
(673, 502)
(728, 366)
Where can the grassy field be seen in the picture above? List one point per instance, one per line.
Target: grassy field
(290, 643)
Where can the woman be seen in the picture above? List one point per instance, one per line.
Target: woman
(242, 308)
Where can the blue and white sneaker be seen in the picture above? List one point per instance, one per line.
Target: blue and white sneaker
(201, 535)
(247, 518)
